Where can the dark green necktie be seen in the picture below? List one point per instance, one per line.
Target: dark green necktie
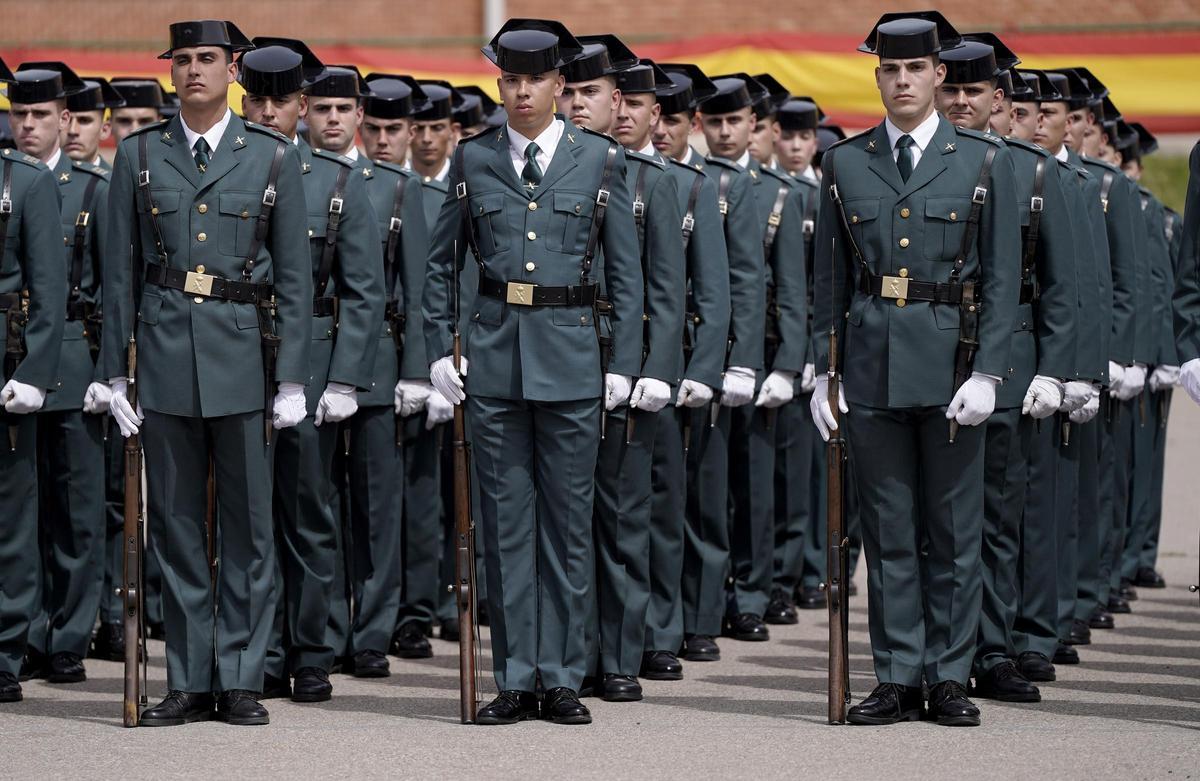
(904, 160)
(533, 172)
(202, 154)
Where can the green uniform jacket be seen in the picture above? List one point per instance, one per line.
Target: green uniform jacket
(1162, 278)
(1043, 340)
(433, 193)
(1186, 300)
(32, 261)
(411, 247)
(344, 349)
(1094, 273)
(202, 357)
(747, 273)
(538, 353)
(784, 270)
(1174, 229)
(707, 313)
(76, 368)
(1125, 231)
(663, 265)
(903, 356)
(810, 192)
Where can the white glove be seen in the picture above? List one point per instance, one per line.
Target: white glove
(777, 389)
(808, 378)
(616, 390)
(693, 394)
(1163, 377)
(437, 410)
(288, 409)
(975, 400)
(738, 387)
(1189, 378)
(337, 403)
(1075, 394)
(650, 394)
(1133, 382)
(96, 398)
(411, 396)
(128, 421)
(818, 405)
(1043, 397)
(1088, 410)
(21, 399)
(447, 380)
(1116, 374)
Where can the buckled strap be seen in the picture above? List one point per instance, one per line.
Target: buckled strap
(1106, 184)
(526, 294)
(1029, 248)
(263, 223)
(325, 306)
(773, 220)
(79, 247)
(977, 200)
(905, 289)
(723, 185)
(207, 285)
(332, 225)
(146, 205)
(6, 205)
(689, 214)
(602, 195)
(393, 237)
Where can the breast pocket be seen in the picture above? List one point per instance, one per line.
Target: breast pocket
(238, 213)
(945, 224)
(487, 212)
(862, 215)
(570, 222)
(165, 209)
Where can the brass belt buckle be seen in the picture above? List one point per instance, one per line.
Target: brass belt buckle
(894, 287)
(519, 293)
(198, 284)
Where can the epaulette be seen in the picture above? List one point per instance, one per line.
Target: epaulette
(91, 168)
(1027, 146)
(697, 169)
(392, 167)
(481, 134)
(806, 182)
(1169, 209)
(21, 157)
(723, 163)
(849, 139)
(993, 140)
(654, 161)
(266, 131)
(589, 131)
(151, 126)
(785, 178)
(1102, 164)
(334, 156)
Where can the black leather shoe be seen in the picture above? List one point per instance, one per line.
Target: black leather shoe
(1005, 682)
(508, 708)
(1127, 592)
(178, 708)
(449, 631)
(33, 665)
(661, 666)
(66, 667)
(700, 648)
(410, 642)
(275, 688)
(562, 706)
(1065, 654)
(156, 630)
(620, 688)
(949, 706)
(371, 664)
(746, 626)
(311, 684)
(1118, 604)
(241, 708)
(10, 690)
(1148, 577)
(810, 598)
(781, 609)
(1100, 619)
(1080, 634)
(109, 643)
(888, 703)
(1036, 667)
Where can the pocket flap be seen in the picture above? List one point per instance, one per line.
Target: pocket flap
(861, 209)
(487, 204)
(166, 201)
(574, 203)
(948, 208)
(245, 205)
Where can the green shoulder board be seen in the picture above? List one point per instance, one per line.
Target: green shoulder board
(988, 137)
(641, 158)
(333, 156)
(266, 131)
(1027, 146)
(89, 168)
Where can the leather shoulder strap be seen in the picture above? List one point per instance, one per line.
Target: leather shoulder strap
(332, 225)
(146, 205)
(6, 205)
(723, 185)
(978, 198)
(602, 195)
(79, 245)
(836, 196)
(464, 207)
(263, 223)
(639, 203)
(774, 219)
(689, 214)
(393, 237)
(1036, 204)
(1106, 183)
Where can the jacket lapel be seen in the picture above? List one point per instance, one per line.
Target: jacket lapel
(944, 142)
(564, 157)
(500, 161)
(179, 156)
(881, 158)
(226, 157)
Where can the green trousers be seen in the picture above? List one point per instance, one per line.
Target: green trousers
(752, 494)
(1145, 485)
(339, 627)
(536, 465)
(668, 476)
(1115, 482)
(1035, 610)
(1079, 547)
(921, 504)
(216, 641)
(706, 541)
(19, 571)
(423, 537)
(795, 500)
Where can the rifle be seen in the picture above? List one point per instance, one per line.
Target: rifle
(837, 559)
(16, 315)
(968, 343)
(133, 616)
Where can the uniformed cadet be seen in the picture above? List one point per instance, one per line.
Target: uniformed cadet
(766, 132)
(213, 209)
(143, 99)
(90, 124)
(70, 429)
(477, 111)
(621, 520)
(347, 312)
(31, 243)
(706, 334)
(1041, 362)
(799, 118)
(918, 227)
(1185, 303)
(779, 213)
(530, 192)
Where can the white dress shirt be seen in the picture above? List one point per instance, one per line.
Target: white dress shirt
(547, 142)
(810, 174)
(648, 150)
(691, 158)
(54, 158)
(922, 134)
(442, 174)
(1061, 154)
(744, 160)
(213, 135)
(352, 155)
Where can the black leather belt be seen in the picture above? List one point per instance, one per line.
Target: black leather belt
(325, 306)
(206, 285)
(903, 289)
(528, 294)
(79, 310)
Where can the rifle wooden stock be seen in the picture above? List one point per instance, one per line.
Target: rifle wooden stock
(131, 580)
(464, 559)
(837, 561)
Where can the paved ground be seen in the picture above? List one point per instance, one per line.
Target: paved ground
(1131, 710)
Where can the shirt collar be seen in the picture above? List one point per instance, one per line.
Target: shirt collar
(52, 163)
(352, 155)
(691, 155)
(744, 160)
(442, 174)
(213, 135)
(922, 134)
(648, 150)
(810, 173)
(98, 161)
(547, 140)
(1061, 155)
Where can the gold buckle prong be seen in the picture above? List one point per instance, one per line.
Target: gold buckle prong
(519, 293)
